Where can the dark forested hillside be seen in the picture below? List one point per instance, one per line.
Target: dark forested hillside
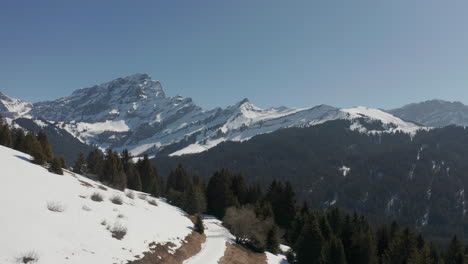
(63, 143)
(419, 181)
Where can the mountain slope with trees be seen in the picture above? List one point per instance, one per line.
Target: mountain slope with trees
(418, 180)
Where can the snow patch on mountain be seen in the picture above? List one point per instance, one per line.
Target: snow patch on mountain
(13, 108)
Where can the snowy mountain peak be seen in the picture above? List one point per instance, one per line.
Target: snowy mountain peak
(13, 108)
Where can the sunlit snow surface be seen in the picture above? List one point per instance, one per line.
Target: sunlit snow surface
(75, 235)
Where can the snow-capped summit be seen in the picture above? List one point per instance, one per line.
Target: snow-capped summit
(13, 108)
(135, 113)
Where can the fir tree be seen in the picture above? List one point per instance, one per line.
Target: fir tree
(34, 148)
(149, 177)
(46, 148)
(198, 226)
(219, 193)
(113, 172)
(178, 179)
(19, 140)
(94, 162)
(310, 243)
(272, 241)
(80, 164)
(56, 166)
(455, 252)
(133, 176)
(333, 252)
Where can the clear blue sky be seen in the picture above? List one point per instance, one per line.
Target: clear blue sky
(274, 52)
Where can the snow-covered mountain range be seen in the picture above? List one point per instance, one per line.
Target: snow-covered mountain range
(135, 113)
(434, 113)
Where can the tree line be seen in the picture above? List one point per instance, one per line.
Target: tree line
(36, 145)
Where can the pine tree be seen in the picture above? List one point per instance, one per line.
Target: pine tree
(199, 224)
(80, 164)
(310, 243)
(178, 179)
(282, 198)
(94, 163)
(239, 188)
(133, 176)
(5, 134)
(56, 166)
(149, 178)
(113, 172)
(455, 252)
(34, 148)
(333, 252)
(46, 148)
(63, 163)
(219, 193)
(273, 241)
(325, 227)
(19, 140)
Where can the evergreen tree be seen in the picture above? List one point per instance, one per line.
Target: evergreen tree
(193, 200)
(272, 241)
(113, 171)
(325, 227)
(56, 166)
(80, 164)
(282, 198)
(199, 224)
(46, 148)
(178, 179)
(133, 176)
(455, 252)
(219, 193)
(5, 134)
(333, 252)
(310, 243)
(95, 161)
(63, 163)
(34, 148)
(239, 188)
(19, 140)
(149, 178)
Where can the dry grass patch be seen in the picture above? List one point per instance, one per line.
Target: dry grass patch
(102, 187)
(153, 202)
(160, 253)
(236, 254)
(28, 257)
(86, 184)
(57, 207)
(116, 199)
(118, 231)
(97, 197)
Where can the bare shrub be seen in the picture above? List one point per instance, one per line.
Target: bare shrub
(118, 231)
(82, 196)
(120, 216)
(86, 208)
(104, 222)
(28, 257)
(142, 196)
(97, 197)
(153, 202)
(130, 194)
(247, 228)
(55, 207)
(116, 199)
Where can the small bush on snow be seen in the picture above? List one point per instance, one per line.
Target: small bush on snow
(86, 208)
(142, 196)
(116, 199)
(55, 207)
(28, 257)
(104, 222)
(130, 194)
(97, 197)
(153, 202)
(118, 231)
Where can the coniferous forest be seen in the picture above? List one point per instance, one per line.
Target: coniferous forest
(260, 218)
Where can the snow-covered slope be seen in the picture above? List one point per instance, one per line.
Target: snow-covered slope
(135, 113)
(13, 108)
(81, 233)
(434, 113)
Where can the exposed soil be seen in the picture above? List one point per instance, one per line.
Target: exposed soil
(236, 254)
(159, 254)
